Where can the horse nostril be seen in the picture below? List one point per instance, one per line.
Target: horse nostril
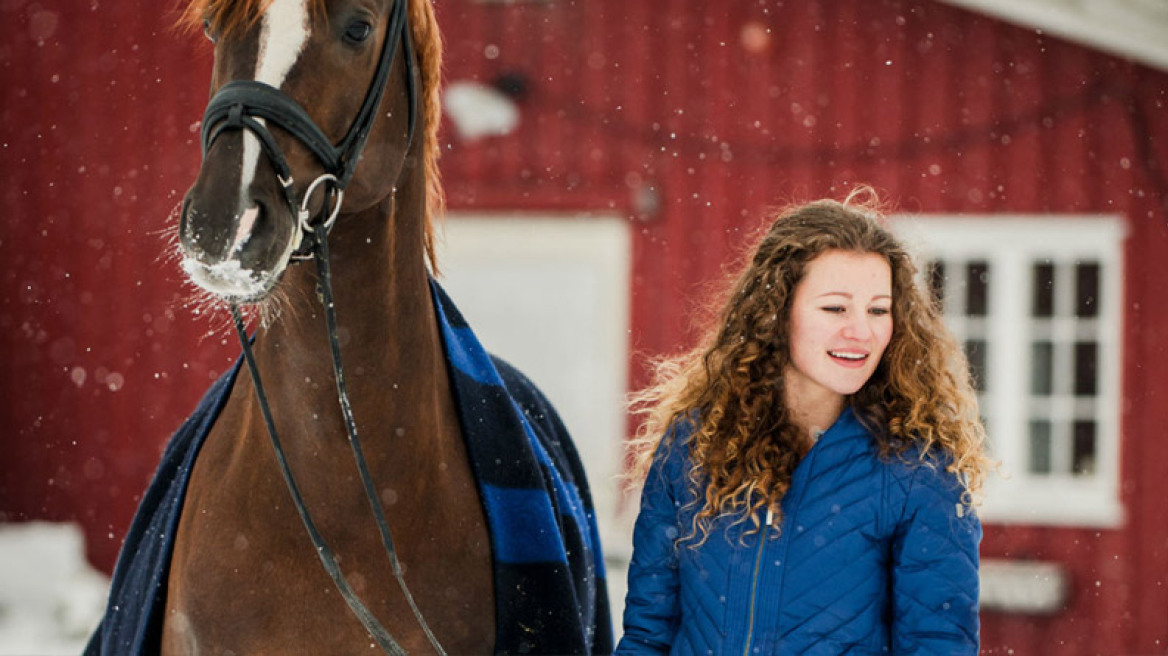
(189, 234)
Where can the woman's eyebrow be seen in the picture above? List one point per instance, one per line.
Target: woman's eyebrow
(849, 295)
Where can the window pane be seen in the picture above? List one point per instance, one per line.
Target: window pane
(1039, 446)
(1041, 368)
(1087, 289)
(975, 352)
(977, 288)
(937, 283)
(1086, 354)
(1083, 456)
(1043, 305)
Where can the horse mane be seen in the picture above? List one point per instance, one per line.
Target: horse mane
(428, 50)
(228, 17)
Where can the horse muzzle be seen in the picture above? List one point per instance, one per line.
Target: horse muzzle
(236, 246)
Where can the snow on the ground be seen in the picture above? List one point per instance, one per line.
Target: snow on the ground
(50, 596)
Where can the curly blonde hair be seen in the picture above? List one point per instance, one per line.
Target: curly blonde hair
(743, 444)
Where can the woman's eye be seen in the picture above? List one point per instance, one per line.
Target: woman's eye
(834, 309)
(358, 31)
(879, 311)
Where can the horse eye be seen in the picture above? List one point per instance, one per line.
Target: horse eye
(358, 31)
(207, 31)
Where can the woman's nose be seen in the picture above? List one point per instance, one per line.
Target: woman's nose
(858, 327)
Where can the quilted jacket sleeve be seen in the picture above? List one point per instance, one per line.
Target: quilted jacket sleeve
(652, 607)
(934, 568)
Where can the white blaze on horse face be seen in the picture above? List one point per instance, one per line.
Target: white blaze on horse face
(283, 33)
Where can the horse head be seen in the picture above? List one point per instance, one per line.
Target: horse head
(303, 90)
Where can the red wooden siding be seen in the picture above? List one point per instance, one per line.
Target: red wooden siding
(98, 147)
(943, 110)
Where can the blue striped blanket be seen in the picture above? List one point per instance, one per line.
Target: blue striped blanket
(550, 592)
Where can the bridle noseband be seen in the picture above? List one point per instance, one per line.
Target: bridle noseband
(239, 105)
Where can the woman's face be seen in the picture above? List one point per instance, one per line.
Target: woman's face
(841, 322)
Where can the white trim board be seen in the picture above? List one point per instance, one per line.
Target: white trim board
(1134, 29)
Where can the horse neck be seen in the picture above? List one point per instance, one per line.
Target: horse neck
(390, 345)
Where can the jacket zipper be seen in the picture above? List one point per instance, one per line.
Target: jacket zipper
(762, 538)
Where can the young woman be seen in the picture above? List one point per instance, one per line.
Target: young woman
(810, 469)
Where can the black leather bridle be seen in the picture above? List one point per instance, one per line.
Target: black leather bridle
(239, 105)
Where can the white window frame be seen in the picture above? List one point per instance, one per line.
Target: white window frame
(1012, 245)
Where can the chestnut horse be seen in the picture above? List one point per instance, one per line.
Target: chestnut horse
(244, 577)
(248, 580)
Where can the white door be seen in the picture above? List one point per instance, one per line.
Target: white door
(550, 294)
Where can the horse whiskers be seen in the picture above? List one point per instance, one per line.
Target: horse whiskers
(171, 252)
(270, 309)
(216, 310)
(206, 305)
(198, 301)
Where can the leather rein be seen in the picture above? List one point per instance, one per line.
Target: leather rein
(240, 105)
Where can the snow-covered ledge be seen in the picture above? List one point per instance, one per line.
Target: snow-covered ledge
(1134, 29)
(50, 596)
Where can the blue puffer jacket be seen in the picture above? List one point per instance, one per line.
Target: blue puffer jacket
(870, 557)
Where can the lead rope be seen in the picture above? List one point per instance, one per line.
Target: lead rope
(327, 557)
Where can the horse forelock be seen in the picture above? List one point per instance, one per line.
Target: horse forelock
(229, 17)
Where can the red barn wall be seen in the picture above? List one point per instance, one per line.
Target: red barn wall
(101, 359)
(720, 109)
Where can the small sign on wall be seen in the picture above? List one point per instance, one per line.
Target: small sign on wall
(1023, 586)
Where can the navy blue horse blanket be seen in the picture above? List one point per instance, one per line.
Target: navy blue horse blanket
(550, 592)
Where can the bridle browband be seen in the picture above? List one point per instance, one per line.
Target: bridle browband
(239, 105)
